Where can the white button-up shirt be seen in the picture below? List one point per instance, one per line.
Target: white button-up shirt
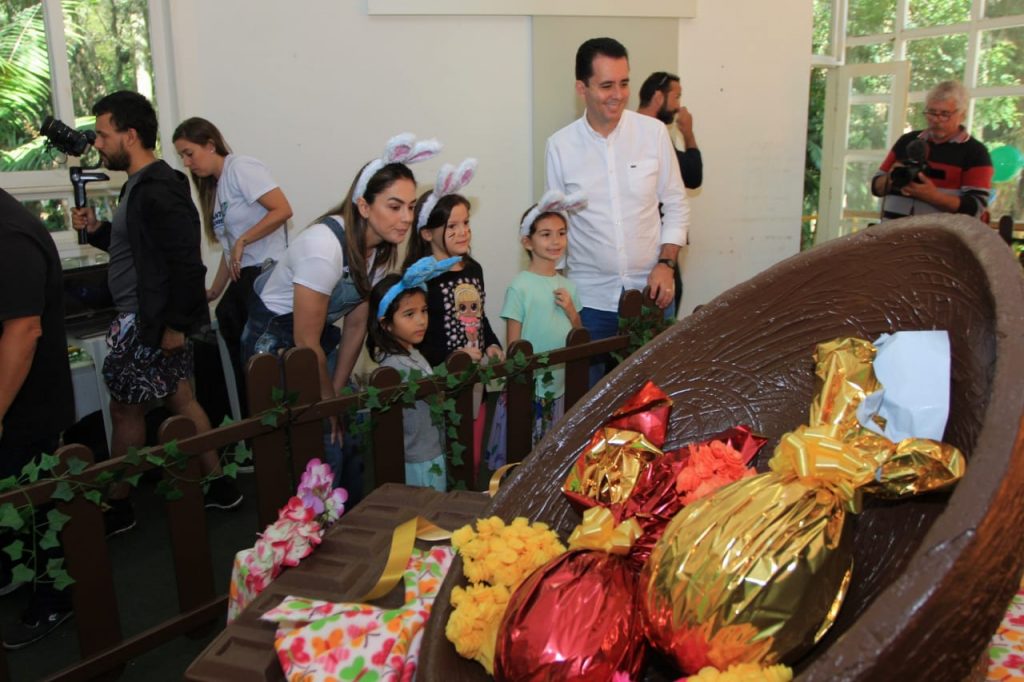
(615, 241)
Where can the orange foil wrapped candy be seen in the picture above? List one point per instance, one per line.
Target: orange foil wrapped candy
(576, 618)
(756, 572)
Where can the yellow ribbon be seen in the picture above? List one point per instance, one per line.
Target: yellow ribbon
(498, 476)
(598, 531)
(402, 542)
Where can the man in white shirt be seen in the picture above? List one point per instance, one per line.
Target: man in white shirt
(626, 165)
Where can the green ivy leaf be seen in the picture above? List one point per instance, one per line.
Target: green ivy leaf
(457, 450)
(9, 517)
(77, 466)
(230, 470)
(241, 454)
(133, 456)
(22, 574)
(105, 477)
(48, 462)
(31, 471)
(227, 420)
(49, 539)
(269, 418)
(155, 459)
(62, 580)
(8, 483)
(14, 550)
(373, 398)
(57, 519)
(94, 496)
(543, 359)
(133, 480)
(277, 394)
(63, 492)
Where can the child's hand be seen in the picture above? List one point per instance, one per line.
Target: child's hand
(495, 353)
(563, 299)
(473, 351)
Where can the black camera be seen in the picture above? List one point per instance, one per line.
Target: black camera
(915, 164)
(65, 138)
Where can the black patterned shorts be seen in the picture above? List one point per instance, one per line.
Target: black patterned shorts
(136, 373)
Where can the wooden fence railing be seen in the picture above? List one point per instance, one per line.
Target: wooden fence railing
(103, 649)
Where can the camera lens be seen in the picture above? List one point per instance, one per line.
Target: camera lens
(65, 138)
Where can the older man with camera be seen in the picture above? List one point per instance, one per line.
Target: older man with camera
(940, 169)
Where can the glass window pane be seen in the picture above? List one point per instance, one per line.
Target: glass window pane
(821, 36)
(859, 202)
(870, 17)
(936, 59)
(999, 123)
(53, 213)
(922, 13)
(868, 126)
(119, 61)
(915, 117)
(872, 85)
(876, 53)
(1002, 57)
(1003, 8)
(25, 91)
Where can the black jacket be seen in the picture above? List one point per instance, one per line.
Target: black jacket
(164, 233)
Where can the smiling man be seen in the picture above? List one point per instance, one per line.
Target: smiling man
(940, 169)
(625, 163)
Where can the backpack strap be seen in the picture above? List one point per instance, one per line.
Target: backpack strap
(339, 231)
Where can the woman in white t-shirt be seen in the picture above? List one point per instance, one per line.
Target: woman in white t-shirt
(245, 210)
(327, 271)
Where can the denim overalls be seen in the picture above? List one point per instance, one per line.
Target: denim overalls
(268, 332)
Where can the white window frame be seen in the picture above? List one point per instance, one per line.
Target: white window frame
(54, 183)
(974, 27)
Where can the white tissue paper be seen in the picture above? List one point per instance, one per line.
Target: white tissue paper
(913, 368)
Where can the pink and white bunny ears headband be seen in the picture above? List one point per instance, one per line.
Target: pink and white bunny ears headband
(403, 148)
(553, 201)
(449, 181)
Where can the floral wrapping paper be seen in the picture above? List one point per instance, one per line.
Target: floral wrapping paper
(1006, 650)
(318, 640)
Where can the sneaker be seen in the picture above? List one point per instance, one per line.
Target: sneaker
(223, 493)
(118, 517)
(35, 623)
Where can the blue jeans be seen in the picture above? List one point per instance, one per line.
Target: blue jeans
(603, 324)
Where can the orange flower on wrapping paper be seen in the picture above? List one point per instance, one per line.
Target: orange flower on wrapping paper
(743, 672)
(710, 466)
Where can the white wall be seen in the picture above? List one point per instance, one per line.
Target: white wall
(745, 70)
(315, 87)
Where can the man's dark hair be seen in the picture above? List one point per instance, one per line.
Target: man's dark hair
(659, 81)
(130, 110)
(606, 47)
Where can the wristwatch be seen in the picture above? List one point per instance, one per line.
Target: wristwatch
(670, 262)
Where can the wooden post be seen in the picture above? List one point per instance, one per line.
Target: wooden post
(186, 523)
(520, 390)
(388, 439)
(577, 372)
(88, 562)
(269, 451)
(457, 363)
(302, 377)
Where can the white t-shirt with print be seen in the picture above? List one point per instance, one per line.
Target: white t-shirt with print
(242, 182)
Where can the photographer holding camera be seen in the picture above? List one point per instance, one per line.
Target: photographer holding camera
(940, 169)
(157, 279)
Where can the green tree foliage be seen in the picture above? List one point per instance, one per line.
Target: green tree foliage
(108, 50)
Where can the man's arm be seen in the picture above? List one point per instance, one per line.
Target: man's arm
(17, 349)
(553, 168)
(173, 229)
(690, 163)
(674, 222)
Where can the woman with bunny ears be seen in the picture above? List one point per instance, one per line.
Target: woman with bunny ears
(327, 271)
(541, 305)
(455, 299)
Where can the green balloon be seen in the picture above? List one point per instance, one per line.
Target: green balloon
(1006, 162)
